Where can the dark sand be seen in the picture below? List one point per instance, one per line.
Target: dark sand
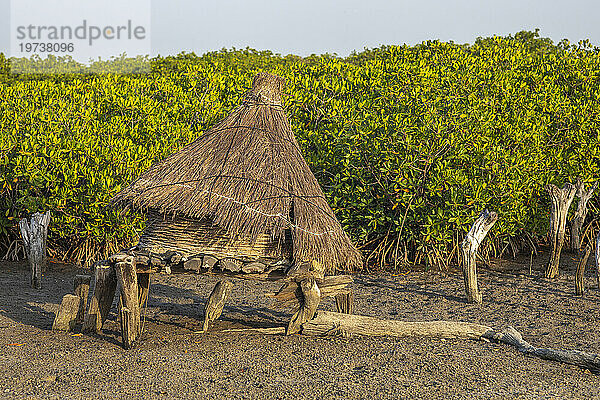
(173, 362)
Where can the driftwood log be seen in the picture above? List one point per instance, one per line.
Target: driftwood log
(561, 201)
(579, 275)
(105, 284)
(216, 302)
(35, 233)
(67, 313)
(290, 294)
(469, 249)
(130, 311)
(584, 196)
(337, 324)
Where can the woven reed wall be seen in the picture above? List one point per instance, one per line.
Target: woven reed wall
(190, 237)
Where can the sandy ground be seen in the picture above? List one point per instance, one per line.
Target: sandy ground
(173, 362)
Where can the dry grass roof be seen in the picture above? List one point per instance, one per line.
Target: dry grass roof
(247, 174)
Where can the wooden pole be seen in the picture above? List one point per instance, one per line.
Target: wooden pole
(344, 302)
(127, 278)
(579, 217)
(469, 249)
(561, 201)
(311, 299)
(67, 313)
(34, 235)
(105, 284)
(143, 288)
(216, 302)
(81, 289)
(579, 275)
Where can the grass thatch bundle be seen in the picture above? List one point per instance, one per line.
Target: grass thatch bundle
(247, 175)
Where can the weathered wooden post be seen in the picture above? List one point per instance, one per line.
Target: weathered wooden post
(130, 312)
(579, 275)
(561, 201)
(579, 217)
(216, 302)
(66, 317)
(344, 302)
(34, 237)
(105, 284)
(311, 299)
(469, 249)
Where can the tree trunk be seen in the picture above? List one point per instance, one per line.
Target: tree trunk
(579, 217)
(469, 253)
(105, 284)
(561, 201)
(311, 298)
(127, 278)
(216, 302)
(34, 235)
(579, 276)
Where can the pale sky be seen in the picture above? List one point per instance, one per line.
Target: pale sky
(340, 26)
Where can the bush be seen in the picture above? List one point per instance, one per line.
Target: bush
(409, 143)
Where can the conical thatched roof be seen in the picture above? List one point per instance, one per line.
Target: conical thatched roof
(248, 176)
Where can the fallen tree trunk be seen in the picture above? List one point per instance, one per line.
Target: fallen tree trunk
(512, 337)
(328, 323)
(331, 323)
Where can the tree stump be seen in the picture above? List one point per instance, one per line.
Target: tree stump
(81, 289)
(127, 278)
(344, 302)
(143, 288)
(311, 299)
(579, 275)
(561, 201)
(216, 302)
(34, 235)
(469, 249)
(67, 313)
(579, 217)
(105, 284)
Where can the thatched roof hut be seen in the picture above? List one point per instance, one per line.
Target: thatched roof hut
(242, 189)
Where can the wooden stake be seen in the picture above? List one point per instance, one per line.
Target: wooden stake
(579, 217)
(67, 313)
(216, 302)
(105, 284)
(311, 298)
(127, 278)
(579, 275)
(34, 235)
(143, 288)
(344, 302)
(81, 289)
(561, 201)
(128, 330)
(469, 249)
